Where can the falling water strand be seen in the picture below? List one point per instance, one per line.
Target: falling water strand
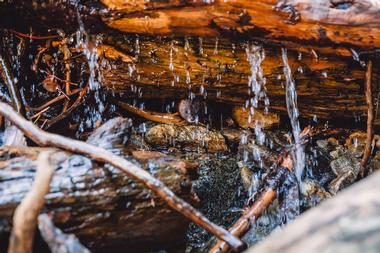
(90, 53)
(216, 46)
(257, 81)
(256, 85)
(171, 64)
(291, 105)
(200, 45)
(93, 113)
(187, 67)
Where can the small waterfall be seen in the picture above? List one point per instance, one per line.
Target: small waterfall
(291, 104)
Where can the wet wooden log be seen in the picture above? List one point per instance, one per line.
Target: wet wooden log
(164, 68)
(219, 70)
(304, 22)
(97, 203)
(334, 26)
(347, 223)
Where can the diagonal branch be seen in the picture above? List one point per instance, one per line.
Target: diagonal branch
(100, 154)
(370, 120)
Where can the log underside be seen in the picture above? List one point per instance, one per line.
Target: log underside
(328, 88)
(333, 26)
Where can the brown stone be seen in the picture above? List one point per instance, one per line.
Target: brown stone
(246, 119)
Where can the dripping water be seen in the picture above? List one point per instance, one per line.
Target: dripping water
(93, 113)
(90, 53)
(256, 83)
(291, 105)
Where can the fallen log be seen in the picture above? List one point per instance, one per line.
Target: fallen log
(333, 26)
(224, 77)
(96, 202)
(166, 68)
(348, 223)
(322, 22)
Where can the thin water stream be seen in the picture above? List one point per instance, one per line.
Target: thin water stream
(293, 112)
(257, 90)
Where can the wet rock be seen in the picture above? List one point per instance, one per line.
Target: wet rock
(334, 142)
(232, 135)
(346, 167)
(260, 155)
(375, 162)
(137, 140)
(322, 144)
(246, 177)
(314, 192)
(188, 138)
(246, 119)
(220, 190)
(327, 145)
(357, 140)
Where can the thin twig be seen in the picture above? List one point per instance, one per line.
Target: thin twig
(166, 118)
(25, 217)
(64, 114)
(100, 154)
(370, 120)
(33, 37)
(66, 55)
(53, 101)
(38, 114)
